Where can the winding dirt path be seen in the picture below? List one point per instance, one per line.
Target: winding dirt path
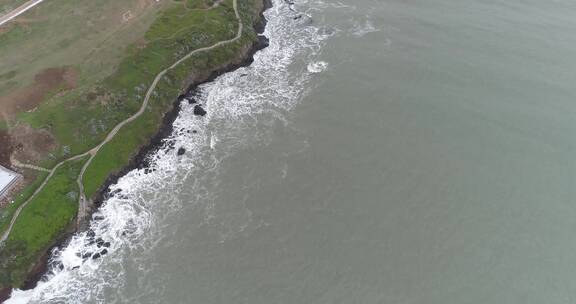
(18, 164)
(83, 203)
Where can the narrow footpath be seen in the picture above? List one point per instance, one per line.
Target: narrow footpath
(82, 201)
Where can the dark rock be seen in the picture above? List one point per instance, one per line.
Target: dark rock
(96, 256)
(86, 255)
(199, 111)
(290, 4)
(91, 233)
(103, 252)
(263, 41)
(181, 151)
(107, 244)
(140, 160)
(170, 145)
(148, 171)
(113, 193)
(76, 267)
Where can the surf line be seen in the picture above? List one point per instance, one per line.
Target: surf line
(94, 151)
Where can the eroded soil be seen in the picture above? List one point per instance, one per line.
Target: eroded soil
(28, 144)
(31, 145)
(47, 82)
(6, 148)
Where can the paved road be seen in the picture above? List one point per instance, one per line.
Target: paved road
(18, 11)
(83, 203)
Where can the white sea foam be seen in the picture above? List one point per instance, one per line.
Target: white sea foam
(361, 29)
(130, 223)
(317, 67)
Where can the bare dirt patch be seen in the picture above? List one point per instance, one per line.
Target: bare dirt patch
(127, 16)
(6, 148)
(49, 81)
(6, 28)
(27, 145)
(31, 145)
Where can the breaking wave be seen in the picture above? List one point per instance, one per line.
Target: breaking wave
(317, 67)
(130, 223)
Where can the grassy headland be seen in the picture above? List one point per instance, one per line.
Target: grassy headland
(40, 224)
(78, 118)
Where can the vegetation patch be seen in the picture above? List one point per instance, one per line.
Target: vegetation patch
(222, 26)
(84, 123)
(7, 211)
(80, 118)
(40, 223)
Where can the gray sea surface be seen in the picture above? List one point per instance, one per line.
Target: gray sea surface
(379, 151)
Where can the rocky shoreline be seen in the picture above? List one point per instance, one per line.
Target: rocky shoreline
(140, 160)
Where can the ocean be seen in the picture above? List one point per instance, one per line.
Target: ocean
(378, 151)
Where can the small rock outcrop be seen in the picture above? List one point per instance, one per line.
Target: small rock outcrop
(199, 111)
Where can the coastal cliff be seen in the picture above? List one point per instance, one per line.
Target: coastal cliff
(184, 81)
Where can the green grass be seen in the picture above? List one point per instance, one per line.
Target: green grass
(197, 4)
(79, 121)
(81, 118)
(7, 213)
(9, 5)
(84, 123)
(89, 35)
(156, 57)
(3, 125)
(40, 223)
(117, 153)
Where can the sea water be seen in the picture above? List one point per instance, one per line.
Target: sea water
(379, 151)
